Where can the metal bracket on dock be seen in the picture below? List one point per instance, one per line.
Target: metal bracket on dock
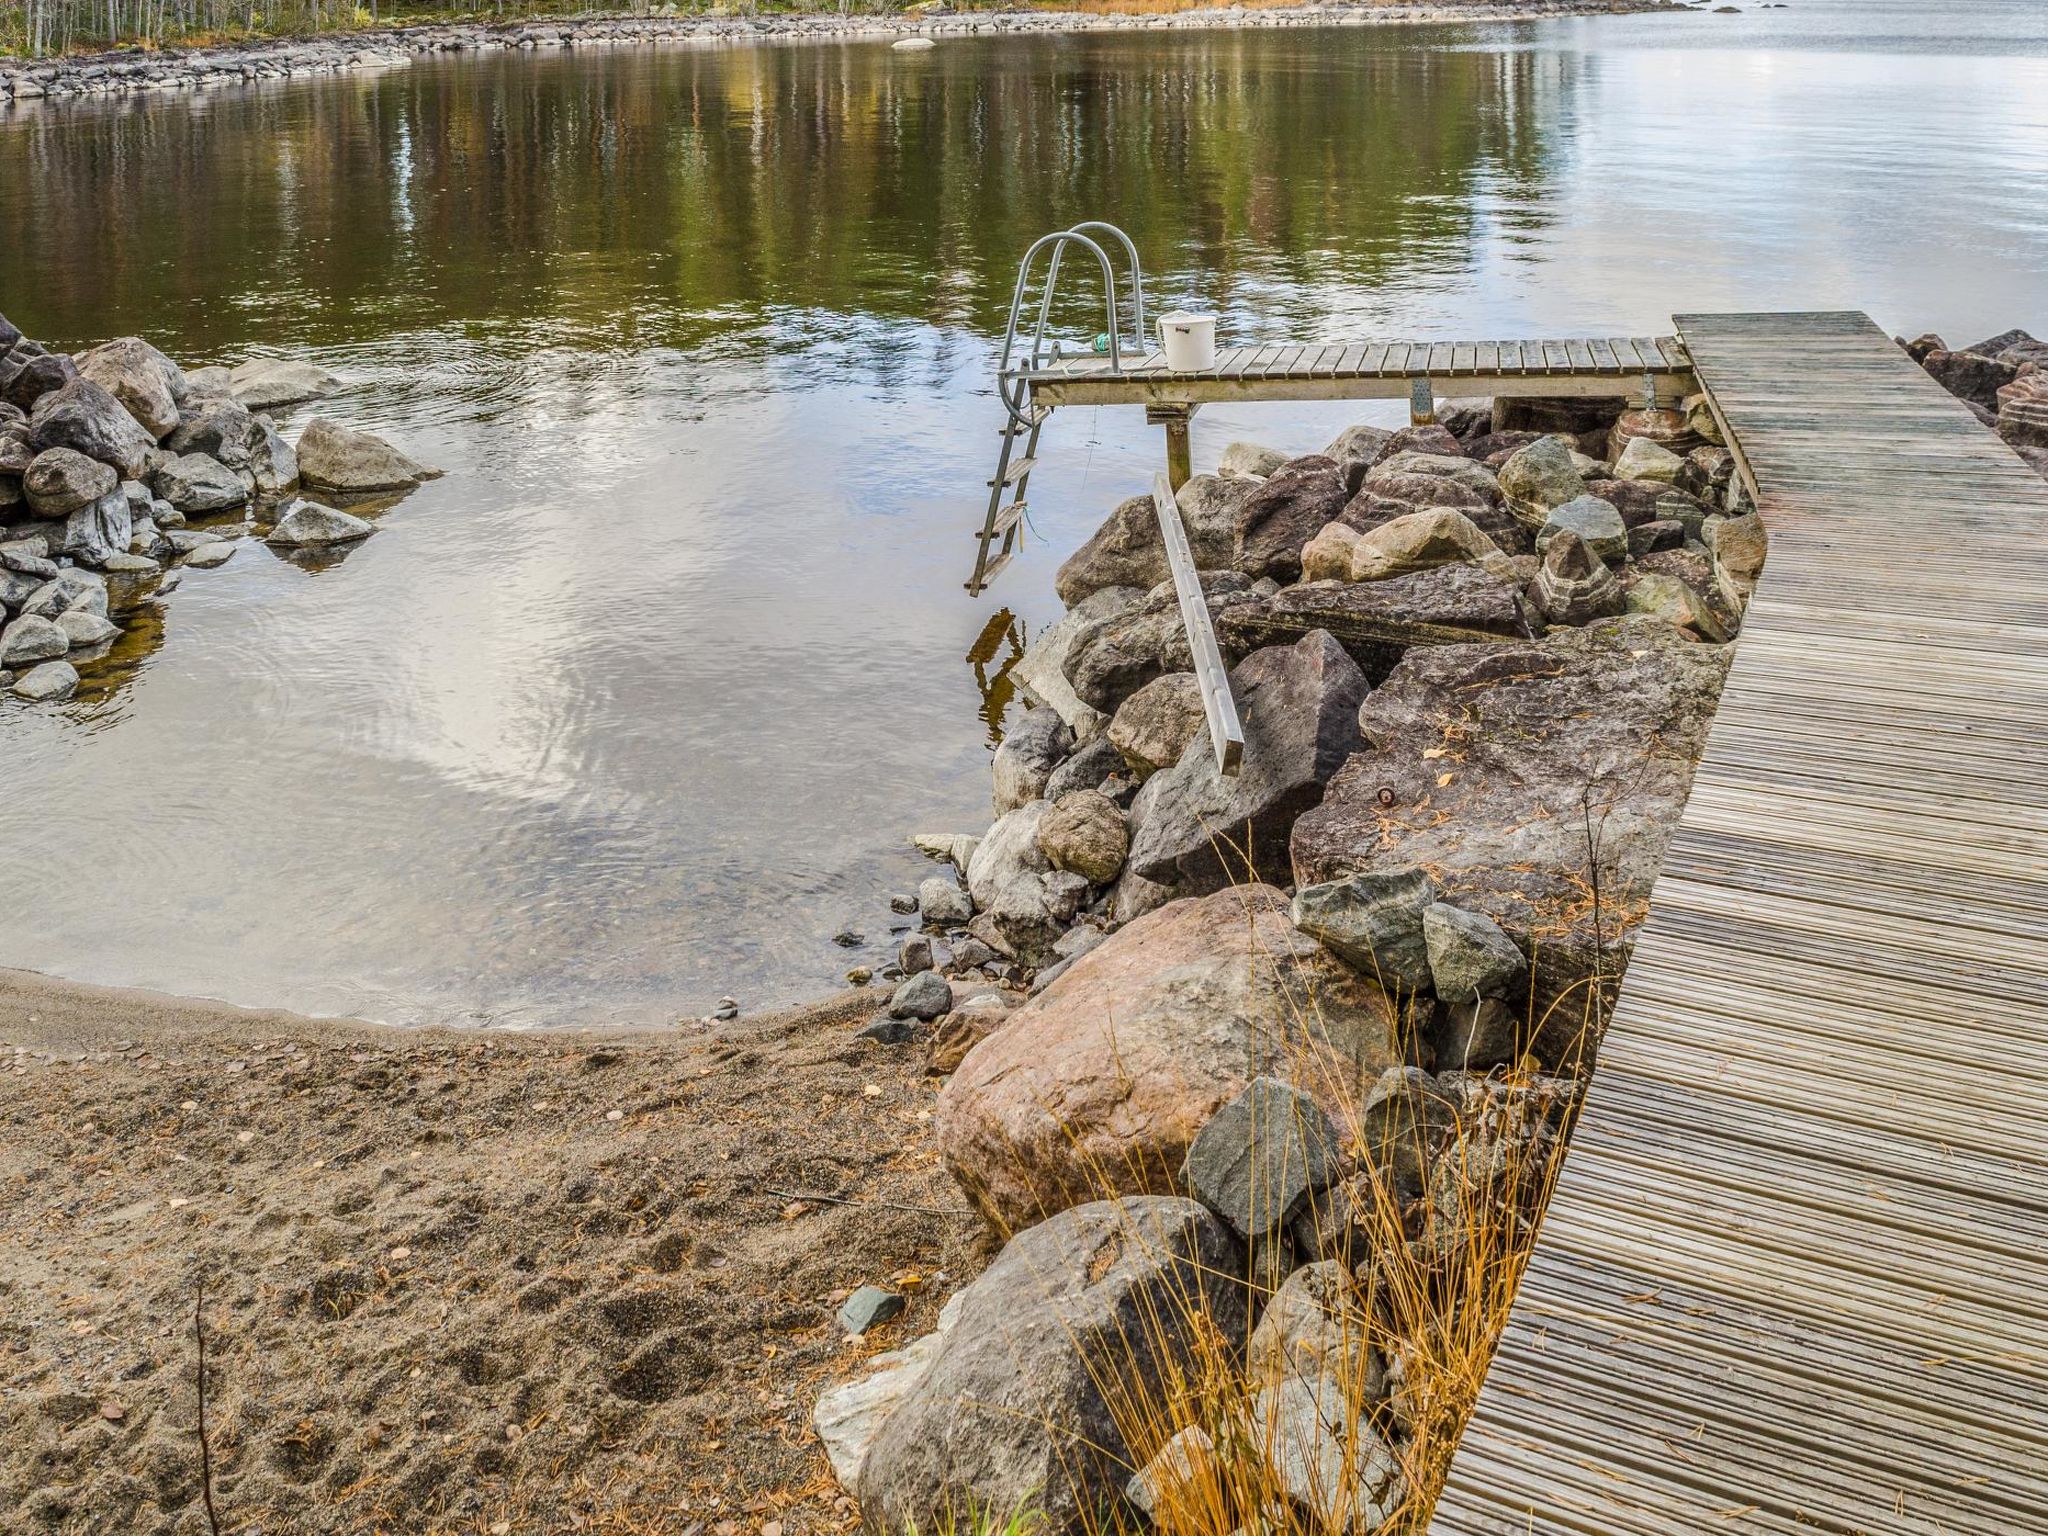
(1421, 403)
(1226, 733)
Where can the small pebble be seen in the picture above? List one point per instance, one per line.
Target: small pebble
(615, 1114)
(902, 903)
(860, 975)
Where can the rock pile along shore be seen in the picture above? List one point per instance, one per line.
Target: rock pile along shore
(1314, 1033)
(136, 71)
(117, 464)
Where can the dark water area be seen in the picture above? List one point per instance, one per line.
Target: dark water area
(637, 705)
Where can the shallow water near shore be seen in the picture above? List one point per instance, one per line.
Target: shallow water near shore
(637, 705)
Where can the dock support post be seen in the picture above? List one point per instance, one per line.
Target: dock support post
(1180, 461)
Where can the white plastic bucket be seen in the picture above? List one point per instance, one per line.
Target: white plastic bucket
(1189, 341)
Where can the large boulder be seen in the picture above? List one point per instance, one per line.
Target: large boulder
(141, 378)
(84, 416)
(1377, 621)
(1152, 728)
(1198, 829)
(215, 425)
(1598, 523)
(1126, 550)
(1283, 513)
(1538, 478)
(1085, 832)
(1032, 748)
(312, 526)
(1574, 586)
(272, 461)
(27, 373)
(1421, 541)
(30, 639)
(1419, 480)
(1041, 671)
(95, 534)
(1112, 660)
(1356, 449)
(266, 383)
(1577, 745)
(338, 458)
(61, 480)
(2023, 409)
(1103, 1080)
(197, 485)
(1030, 1395)
(1971, 376)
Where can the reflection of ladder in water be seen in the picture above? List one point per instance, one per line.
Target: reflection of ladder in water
(1002, 526)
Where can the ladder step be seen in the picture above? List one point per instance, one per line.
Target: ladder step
(1018, 469)
(1006, 519)
(1033, 417)
(990, 571)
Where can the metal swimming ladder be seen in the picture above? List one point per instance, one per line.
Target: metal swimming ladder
(1002, 524)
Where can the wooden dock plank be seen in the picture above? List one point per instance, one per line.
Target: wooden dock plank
(1795, 1272)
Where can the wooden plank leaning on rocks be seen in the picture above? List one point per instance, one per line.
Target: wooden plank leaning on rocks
(1794, 1276)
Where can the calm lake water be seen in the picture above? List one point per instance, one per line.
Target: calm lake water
(637, 705)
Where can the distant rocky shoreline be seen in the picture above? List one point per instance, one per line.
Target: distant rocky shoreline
(136, 71)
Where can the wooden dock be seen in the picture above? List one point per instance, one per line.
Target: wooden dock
(1795, 1274)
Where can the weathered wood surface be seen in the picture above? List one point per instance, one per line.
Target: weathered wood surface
(1795, 1273)
(1378, 370)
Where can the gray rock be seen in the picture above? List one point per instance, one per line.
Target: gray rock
(955, 848)
(1113, 659)
(1477, 1034)
(1197, 829)
(1032, 748)
(196, 484)
(1643, 459)
(1317, 1327)
(1152, 728)
(1180, 1464)
(923, 996)
(27, 557)
(130, 565)
(1574, 586)
(164, 515)
(1405, 1123)
(885, 1029)
(1086, 768)
(1660, 595)
(215, 426)
(1971, 376)
(869, 1307)
(337, 458)
(942, 902)
(1356, 450)
(1326, 1455)
(84, 416)
(272, 460)
(1658, 534)
(1377, 622)
(1470, 955)
(1587, 732)
(1595, 521)
(207, 556)
(1252, 459)
(849, 1416)
(1738, 545)
(1015, 1408)
(61, 480)
(1126, 551)
(914, 955)
(31, 639)
(51, 681)
(146, 382)
(1041, 671)
(1539, 477)
(1085, 833)
(28, 373)
(96, 534)
(1260, 1157)
(265, 383)
(71, 588)
(310, 525)
(1373, 921)
(84, 629)
(210, 380)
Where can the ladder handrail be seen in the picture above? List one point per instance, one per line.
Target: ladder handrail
(1009, 384)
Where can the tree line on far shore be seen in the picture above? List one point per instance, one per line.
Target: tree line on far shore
(41, 27)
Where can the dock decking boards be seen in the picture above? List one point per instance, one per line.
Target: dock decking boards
(1794, 1277)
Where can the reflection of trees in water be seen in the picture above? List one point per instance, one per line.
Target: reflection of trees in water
(670, 197)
